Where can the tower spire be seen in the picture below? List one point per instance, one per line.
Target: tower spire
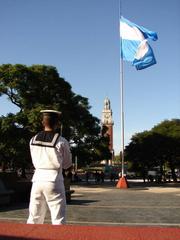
(107, 121)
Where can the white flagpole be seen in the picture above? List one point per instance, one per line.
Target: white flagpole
(122, 183)
(122, 115)
(122, 98)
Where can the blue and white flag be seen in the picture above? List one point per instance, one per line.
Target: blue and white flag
(134, 44)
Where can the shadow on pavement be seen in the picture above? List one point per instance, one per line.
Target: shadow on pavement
(81, 202)
(14, 238)
(15, 206)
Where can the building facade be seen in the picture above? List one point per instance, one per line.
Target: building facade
(107, 121)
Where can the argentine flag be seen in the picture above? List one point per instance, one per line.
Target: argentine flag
(134, 44)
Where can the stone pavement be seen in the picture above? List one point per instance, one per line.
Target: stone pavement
(106, 205)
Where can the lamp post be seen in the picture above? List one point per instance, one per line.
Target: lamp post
(76, 163)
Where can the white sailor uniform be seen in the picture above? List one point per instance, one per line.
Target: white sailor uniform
(50, 154)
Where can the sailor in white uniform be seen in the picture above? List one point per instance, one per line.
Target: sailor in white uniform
(50, 155)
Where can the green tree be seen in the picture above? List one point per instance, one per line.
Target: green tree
(170, 147)
(14, 150)
(140, 153)
(39, 87)
(155, 148)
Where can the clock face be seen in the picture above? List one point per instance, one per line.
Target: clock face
(107, 117)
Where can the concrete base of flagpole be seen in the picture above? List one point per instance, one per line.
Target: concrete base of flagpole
(122, 183)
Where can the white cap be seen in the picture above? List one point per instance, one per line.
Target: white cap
(50, 111)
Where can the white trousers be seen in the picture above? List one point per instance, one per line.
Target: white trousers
(44, 195)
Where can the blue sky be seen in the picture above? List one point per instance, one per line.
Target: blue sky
(81, 38)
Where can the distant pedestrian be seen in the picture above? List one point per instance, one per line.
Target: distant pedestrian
(97, 177)
(112, 176)
(102, 176)
(76, 178)
(87, 176)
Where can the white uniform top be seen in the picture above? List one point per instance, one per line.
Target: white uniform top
(50, 154)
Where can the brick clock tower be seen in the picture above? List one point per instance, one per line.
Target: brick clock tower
(108, 122)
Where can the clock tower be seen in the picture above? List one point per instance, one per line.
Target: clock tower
(108, 122)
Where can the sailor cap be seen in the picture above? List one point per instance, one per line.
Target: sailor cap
(50, 112)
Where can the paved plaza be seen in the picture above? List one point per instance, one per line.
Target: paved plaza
(106, 205)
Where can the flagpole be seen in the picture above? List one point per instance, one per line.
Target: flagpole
(122, 115)
(122, 183)
(122, 97)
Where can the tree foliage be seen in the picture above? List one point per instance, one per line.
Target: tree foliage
(40, 87)
(158, 147)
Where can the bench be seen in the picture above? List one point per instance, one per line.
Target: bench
(5, 194)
